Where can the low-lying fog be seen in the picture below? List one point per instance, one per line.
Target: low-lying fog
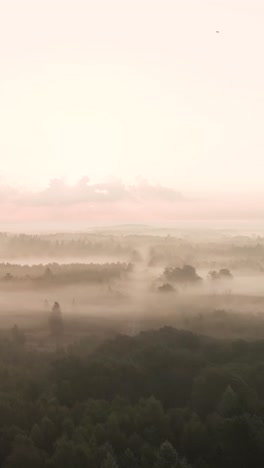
(123, 283)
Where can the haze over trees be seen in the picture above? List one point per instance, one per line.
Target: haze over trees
(222, 274)
(132, 364)
(131, 306)
(186, 274)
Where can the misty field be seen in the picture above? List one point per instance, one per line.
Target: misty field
(211, 283)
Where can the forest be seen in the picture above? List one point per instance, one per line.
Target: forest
(131, 234)
(146, 351)
(164, 398)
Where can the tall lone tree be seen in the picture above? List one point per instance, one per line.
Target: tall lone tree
(18, 336)
(56, 323)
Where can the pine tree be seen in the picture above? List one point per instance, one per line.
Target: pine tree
(56, 322)
(229, 402)
(18, 336)
(167, 456)
(36, 436)
(129, 459)
(183, 464)
(109, 461)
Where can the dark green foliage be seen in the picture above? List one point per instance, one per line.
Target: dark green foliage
(68, 454)
(167, 456)
(128, 460)
(36, 436)
(229, 403)
(164, 398)
(25, 454)
(109, 461)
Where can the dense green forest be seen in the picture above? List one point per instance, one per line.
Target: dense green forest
(164, 398)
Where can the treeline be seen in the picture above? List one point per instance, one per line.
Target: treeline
(50, 246)
(161, 399)
(244, 253)
(211, 255)
(55, 273)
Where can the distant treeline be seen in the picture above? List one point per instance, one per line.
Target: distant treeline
(244, 253)
(208, 255)
(33, 245)
(70, 273)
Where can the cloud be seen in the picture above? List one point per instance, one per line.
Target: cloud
(60, 192)
(113, 201)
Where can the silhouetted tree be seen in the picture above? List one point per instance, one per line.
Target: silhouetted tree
(224, 273)
(8, 277)
(186, 274)
(48, 273)
(56, 323)
(18, 336)
(228, 405)
(166, 287)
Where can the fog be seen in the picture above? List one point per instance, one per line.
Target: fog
(82, 311)
(130, 281)
(131, 234)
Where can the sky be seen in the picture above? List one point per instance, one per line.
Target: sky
(125, 90)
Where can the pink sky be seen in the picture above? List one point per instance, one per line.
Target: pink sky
(128, 208)
(129, 88)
